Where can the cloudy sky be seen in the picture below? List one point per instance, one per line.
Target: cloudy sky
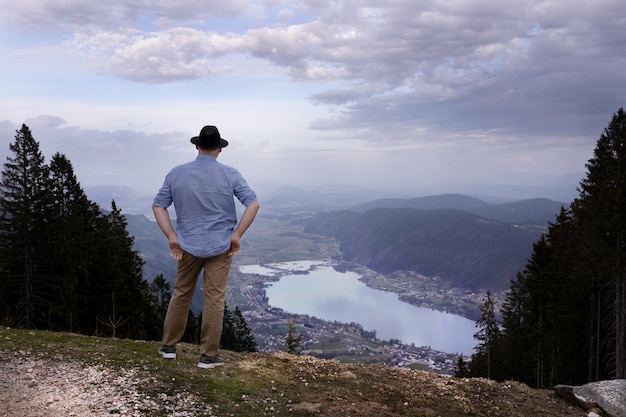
(409, 95)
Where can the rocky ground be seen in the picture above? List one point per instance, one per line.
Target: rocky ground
(44, 374)
(45, 387)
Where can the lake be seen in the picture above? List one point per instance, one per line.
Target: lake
(330, 295)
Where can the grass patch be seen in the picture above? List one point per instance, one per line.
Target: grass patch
(258, 384)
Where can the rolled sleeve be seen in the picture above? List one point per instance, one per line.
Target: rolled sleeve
(242, 190)
(164, 198)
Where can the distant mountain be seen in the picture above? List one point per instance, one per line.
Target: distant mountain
(153, 247)
(126, 199)
(536, 211)
(466, 250)
(469, 242)
(451, 201)
(525, 185)
(288, 199)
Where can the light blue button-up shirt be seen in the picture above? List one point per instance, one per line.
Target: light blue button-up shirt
(203, 192)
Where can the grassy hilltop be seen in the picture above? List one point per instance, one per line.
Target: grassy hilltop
(45, 373)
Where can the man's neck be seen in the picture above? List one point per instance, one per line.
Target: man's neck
(212, 152)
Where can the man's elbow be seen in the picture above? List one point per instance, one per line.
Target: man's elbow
(157, 209)
(253, 207)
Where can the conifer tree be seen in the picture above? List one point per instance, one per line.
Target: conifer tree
(538, 280)
(192, 329)
(293, 342)
(68, 241)
(228, 339)
(21, 203)
(462, 369)
(63, 263)
(120, 276)
(236, 335)
(565, 316)
(162, 293)
(515, 341)
(600, 212)
(488, 335)
(243, 333)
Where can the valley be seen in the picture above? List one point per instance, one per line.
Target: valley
(276, 241)
(437, 255)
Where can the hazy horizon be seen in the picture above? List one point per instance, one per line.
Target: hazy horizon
(132, 201)
(409, 96)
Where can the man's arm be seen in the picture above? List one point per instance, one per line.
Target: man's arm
(246, 220)
(162, 217)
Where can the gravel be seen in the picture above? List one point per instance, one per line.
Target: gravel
(46, 387)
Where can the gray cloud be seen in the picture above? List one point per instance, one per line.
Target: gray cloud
(127, 157)
(552, 67)
(72, 15)
(476, 77)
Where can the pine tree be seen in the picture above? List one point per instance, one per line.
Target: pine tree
(21, 203)
(63, 263)
(243, 333)
(488, 336)
(236, 335)
(121, 268)
(192, 329)
(162, 293)
(228, 339)
(538, 280)
(567, 304)
(600, 214)
(514, 341)
(462, 369)
(565, 316)
(292, 342)
(67, 244)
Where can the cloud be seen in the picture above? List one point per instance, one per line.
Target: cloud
(448, 83)
(76, 15)
(122, 157)
(172, 55)
(460, 65)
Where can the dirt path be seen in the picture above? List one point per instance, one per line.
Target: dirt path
(43, 387)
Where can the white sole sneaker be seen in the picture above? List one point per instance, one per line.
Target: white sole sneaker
(209, 365)
(167, 355)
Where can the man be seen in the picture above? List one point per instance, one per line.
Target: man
(207, 235)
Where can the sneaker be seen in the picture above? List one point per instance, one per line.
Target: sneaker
(168, 352)
(208, 362)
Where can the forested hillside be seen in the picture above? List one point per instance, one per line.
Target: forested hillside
(68, 265)
(65, 264)
(461, 248)
(534, 211)
(151, 243)
(564, 318)
(450, 201)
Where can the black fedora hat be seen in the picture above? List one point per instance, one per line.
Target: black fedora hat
(209, 138)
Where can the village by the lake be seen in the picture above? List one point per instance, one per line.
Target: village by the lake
(346, 341)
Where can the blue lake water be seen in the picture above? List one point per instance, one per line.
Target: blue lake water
(330, 295)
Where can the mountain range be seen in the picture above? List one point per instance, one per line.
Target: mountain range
(462, 239)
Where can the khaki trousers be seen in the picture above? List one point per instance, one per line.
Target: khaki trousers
(215, 281)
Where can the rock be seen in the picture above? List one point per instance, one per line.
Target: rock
(609, 396)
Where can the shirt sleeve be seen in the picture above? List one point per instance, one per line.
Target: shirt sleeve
(164, 195)
(242, 190)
